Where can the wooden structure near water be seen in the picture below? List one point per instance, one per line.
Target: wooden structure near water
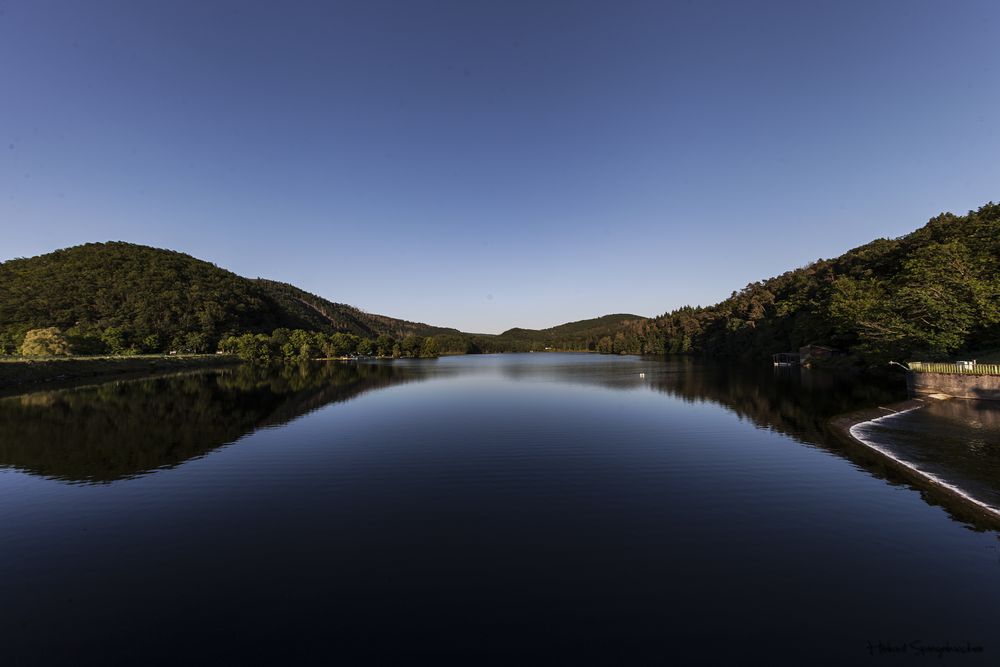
(785, 359)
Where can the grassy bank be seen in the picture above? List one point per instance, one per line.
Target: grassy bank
(19, 371)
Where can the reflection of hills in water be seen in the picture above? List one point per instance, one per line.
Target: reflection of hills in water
(793, 401)
(956, 440)
(119, 430)
(122, 429)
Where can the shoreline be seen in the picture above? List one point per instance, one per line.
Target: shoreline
(952, 498)
(19, 375)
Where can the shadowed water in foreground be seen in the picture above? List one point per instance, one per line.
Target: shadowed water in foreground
(540, 506)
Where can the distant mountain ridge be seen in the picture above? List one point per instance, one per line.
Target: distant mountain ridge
(593, 325)
(579, 335)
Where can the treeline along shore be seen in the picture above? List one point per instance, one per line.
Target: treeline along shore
(52, 362)
(931, 294)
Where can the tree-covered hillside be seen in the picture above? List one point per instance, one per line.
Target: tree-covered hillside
(111, 297)
(932, 293)
(326, 315)
(580, 335)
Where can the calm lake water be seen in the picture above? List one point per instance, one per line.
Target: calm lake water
(508, 508)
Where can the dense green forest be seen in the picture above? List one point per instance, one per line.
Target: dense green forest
(300, 345)
(122, 298)
(125, 298)
(930, 294)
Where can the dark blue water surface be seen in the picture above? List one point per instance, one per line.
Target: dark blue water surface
(511, 508)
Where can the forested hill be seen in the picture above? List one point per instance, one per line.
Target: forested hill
(160, 299)
(342, 317)
(932, 293)
(580, 335)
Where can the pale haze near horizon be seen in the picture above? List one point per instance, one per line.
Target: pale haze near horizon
(491, 165)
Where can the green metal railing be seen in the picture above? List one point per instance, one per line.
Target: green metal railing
(957, 369)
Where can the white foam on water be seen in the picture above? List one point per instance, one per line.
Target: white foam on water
(856, 431)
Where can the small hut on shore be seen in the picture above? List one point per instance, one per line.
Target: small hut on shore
(785, 359)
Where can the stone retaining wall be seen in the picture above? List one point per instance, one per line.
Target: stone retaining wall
(983, 387)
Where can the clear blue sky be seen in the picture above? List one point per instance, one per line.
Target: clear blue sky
(485, 164)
